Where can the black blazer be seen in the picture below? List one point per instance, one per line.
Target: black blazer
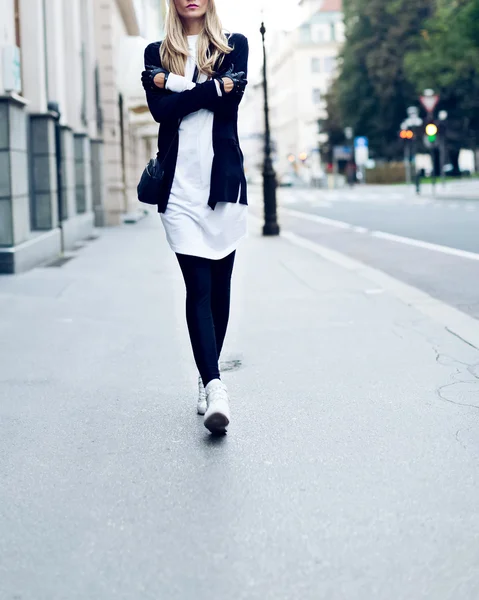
(167, 108)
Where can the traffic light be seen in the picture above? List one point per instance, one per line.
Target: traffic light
(406, 134)
(431, 132)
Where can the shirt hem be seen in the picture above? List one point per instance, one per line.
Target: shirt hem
(209, 254)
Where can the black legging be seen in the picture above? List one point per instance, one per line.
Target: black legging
(208, 288)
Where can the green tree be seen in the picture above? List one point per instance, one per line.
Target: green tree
(448, 62)
(372, 92)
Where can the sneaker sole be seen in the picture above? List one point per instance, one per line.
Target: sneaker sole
(201, 410)
(217, 423)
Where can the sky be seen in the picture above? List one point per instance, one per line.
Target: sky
(245, 16)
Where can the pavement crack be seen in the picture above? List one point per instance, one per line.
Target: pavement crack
(465, 382)
(449, 361)
(459, 440)
(461, 338)
(474, 370)
(297, 277)
(397, 334)
(452, 388)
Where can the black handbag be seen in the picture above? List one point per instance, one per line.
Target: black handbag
(149, 188)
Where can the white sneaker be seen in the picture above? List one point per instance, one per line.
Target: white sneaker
(217, 417)
(201, 397)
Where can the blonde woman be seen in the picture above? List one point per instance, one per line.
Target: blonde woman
(194, 82)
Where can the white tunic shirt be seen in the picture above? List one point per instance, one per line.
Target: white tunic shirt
(191, 226)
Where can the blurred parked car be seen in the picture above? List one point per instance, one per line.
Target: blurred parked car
(449, 172)
(285, 180)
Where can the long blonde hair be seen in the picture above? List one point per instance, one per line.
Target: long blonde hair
(212, 42)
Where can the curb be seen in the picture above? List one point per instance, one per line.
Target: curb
(453, 320)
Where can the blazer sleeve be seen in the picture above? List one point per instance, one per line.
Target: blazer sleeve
(169, 106)
(227, 104)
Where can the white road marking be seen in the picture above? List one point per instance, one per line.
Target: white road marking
(427, 245)
(381, 234)
(316, 218)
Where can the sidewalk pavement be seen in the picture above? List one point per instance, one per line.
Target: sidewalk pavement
(452, 190)
(467, 189)
(351, 469)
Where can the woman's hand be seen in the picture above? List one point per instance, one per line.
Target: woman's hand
(160, 80)
(154, 79)
(228, 84)
(232, 82)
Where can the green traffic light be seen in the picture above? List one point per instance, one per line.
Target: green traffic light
(431, 132)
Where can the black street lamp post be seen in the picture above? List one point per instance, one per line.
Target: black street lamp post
(271, 226)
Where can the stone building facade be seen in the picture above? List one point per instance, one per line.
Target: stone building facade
(70, 149)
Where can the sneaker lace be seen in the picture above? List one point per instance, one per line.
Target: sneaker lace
(201, 389)
(218, 394)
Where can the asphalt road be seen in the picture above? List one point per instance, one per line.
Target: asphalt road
(438, 246)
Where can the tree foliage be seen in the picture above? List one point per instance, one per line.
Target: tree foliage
(447, 61)
(394, 50)
(373, 90)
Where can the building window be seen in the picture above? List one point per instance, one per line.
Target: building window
(320, 33)
(329, 64)
(305, 34)
(316, 65)
(316, 96)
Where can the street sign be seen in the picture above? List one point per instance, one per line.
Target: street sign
(342, 153)
(361, 150)
(361, 142)
(429, 102)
